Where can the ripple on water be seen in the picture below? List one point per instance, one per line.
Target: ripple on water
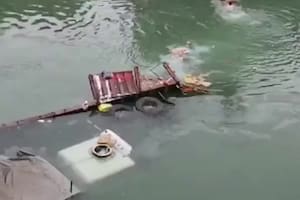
(67, 22)
(278, 59)
(91, 24)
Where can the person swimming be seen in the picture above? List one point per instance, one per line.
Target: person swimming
(227, 5)
(230, 10)
(182, 53)
(230, 4)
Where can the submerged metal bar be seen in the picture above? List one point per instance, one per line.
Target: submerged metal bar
(171, 73)
(50, 115)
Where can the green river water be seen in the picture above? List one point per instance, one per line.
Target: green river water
(240, 142)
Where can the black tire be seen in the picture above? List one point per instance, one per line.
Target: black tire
(97, 150)
(149, 105)
(120, 108)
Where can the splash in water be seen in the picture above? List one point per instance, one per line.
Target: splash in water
(184, 59)
(232, 11)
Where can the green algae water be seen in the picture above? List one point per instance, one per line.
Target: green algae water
(240, 142)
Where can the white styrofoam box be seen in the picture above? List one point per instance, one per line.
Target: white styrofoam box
(121, 145)
(84, 168)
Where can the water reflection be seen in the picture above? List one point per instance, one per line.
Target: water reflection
(57, 43)
(68, 21)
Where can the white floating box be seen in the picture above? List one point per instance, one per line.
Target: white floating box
(80, 165)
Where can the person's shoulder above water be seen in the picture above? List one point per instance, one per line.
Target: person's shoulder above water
(227, 4)
(181, 52)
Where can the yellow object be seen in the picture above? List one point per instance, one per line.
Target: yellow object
(106, 107)
(194, 81)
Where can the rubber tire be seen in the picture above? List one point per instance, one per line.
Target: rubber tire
(157, 109)
(120, 107)
(96, 153)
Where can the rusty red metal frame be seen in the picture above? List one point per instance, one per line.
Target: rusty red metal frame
(134, 85)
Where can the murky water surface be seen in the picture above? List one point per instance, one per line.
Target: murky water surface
(240, 142)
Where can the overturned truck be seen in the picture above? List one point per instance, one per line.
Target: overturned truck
(119, 88)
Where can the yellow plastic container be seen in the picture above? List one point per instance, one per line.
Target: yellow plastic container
(194, 81)
(106, 107)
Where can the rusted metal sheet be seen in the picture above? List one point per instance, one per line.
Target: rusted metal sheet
(120, 81)
(130, 82)
(102, 87)
(154, 84)
(92, 86)
(97, 83)
(137, 79)
(120, 84)
(113, 87)
(116, 86)
(125, 83)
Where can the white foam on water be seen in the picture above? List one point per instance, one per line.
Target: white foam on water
(234, 14)
(194, 59)
(285, 124)
(257, 136)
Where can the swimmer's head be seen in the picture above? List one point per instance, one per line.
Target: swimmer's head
(230, 3)
(189, 44)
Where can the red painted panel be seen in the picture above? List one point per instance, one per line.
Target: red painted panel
(130, 82)
(113, 87)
